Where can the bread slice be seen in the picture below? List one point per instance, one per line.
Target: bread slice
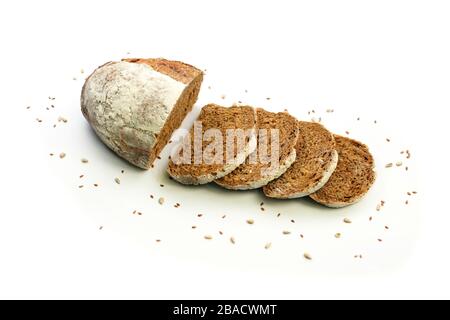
(205, 169)
(353, 177)
(316, 161)
(134, 105)
(254, 173)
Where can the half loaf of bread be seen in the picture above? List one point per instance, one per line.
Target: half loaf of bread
(135, 105)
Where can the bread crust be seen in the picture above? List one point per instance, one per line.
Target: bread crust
(127, 104)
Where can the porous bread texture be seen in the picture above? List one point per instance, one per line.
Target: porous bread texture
(316, 160)
(135, 105)
(353, 177)
(256, 172)
(220, 118)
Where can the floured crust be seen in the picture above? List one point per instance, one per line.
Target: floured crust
(256, 175)
(316, 161)
(128, 103)
(221, 118)
(353, 177)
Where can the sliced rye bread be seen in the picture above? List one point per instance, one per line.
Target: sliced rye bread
(257, 171)
(353, 177)
(316, 160)
(208, 165)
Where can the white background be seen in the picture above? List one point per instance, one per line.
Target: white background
(386, 60)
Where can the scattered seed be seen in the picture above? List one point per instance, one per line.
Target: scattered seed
(28, 108)
(81, 186)
(337, 235)
(398, 164)
(375, 121)
(370, 218)
(378, 207)
(414, 192)
(301, 236)
(346, 132)
(250, 221)
(62, 155)
(122, 171)
(307, 256)
(139, 213)
(117, 180)
(81, 71)
(268, 98)
(386, 227)
(285, 232)
(224, 216)
(261, 204)
(51, 154)
(223, 96)
(208, 237)
(82, 176)
(232, 240)
(194, 227)
(409, 193)
(158, 240)
(382, 202)
(262, 209)
(200, 215)
(101, 228)
(293, 221)
(358, 118)
(347, 220)
(161, 201)
(95, 185)
(388, 140)
(161, 185)
(268, 245)
(84, 160)
(406, 202)
(278, 215)
(406, 168)
(389, 165)
(380, 240)
(152, 196)
(62, 119)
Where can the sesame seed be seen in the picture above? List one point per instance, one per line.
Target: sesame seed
(386, 227)
(292, 221)
(380, 240)
(62, 155)
(200, 215)
(95, 185)
(389, 165)
(250, 221)
(285, 232)
(307, 256)
(232, 240)
(224, 216)
(347, 220)
(117, 180)
(161, 185)
(399, 163)
(161, 201)
(378, 207)
(388, 140)
(406, 202)
(84, 160)
(152, 196)
(262, 209)
(208, 237)
(337, 235)
(62, 119)
(81, 186)
(221, 233)
(194, 227)
(268, 245)
(101, 228)
(82, 176)
(51, 154)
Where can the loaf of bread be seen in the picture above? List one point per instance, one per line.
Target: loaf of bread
(134, 105)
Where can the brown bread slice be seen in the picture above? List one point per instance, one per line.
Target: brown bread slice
(316, 161)
(353, 177)
(254, 174)
(222, 119)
